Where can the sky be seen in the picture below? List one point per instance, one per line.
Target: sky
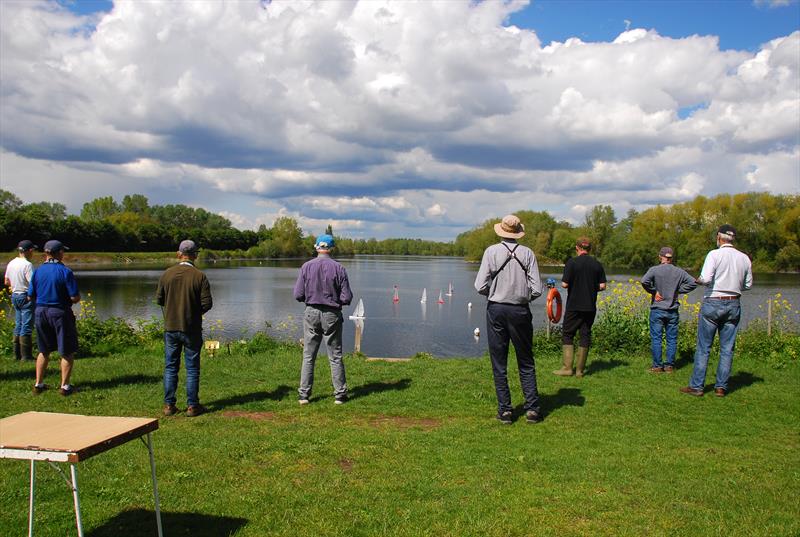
(398, 118)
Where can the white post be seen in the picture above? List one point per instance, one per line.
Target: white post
(769, 317)
(74, 473)
(30, 506)
(155, 483)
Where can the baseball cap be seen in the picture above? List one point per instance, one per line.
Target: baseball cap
(188, 247)
(324, 242)
(26, 245)
(727, 229)
(666, 251)
(54, 246)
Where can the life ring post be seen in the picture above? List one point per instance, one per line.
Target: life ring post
(553, 317)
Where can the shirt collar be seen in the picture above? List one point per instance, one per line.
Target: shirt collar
(726, 245)
(186, 263)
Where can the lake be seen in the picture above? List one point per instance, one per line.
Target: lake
(253, 295)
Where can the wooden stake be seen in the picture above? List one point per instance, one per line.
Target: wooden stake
(357, 346)
(769, 317)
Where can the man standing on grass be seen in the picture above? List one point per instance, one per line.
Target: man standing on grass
(54, 290)
(19, 272)
(665, 282)
(726, 273)
(324, 287)
(509, 278)
(185, 295)
(583, 277)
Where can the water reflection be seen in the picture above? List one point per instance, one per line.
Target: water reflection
(249, 296)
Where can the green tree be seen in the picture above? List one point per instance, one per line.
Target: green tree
(99, 209)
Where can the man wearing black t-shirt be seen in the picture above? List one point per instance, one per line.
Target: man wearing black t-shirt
(583, 277)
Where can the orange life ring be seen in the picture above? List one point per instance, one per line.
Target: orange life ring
(553, 294)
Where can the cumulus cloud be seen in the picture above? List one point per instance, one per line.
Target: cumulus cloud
(408, 117)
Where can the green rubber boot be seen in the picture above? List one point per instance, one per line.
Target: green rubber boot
(26, 347)
(566, 369)
(580, 364)
(17, 349)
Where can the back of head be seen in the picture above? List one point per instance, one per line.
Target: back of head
(324, 243)
(726, 233)
(583, 243)
(188, 248)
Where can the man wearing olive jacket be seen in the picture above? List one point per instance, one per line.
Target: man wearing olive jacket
(185, 295)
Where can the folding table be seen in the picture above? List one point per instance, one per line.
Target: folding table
(71, 438)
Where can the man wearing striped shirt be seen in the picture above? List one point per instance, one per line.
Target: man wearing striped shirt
(726, 273)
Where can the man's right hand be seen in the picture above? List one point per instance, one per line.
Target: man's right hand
(657, 297)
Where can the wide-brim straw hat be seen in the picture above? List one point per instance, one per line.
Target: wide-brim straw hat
(510, 227)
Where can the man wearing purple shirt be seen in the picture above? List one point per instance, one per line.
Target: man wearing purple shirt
(323, 286)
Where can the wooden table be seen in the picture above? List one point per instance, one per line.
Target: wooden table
(71, 438)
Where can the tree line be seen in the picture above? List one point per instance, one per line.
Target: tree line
(768, 231)
(768, 226)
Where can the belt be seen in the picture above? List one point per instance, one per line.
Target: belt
(723, 298)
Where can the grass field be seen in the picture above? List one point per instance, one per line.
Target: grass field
(417, 451)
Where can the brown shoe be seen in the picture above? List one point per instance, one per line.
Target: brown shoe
(719, 392)
(170, 410)
(668, 369)
(656, 370)
(67, 391)
(195, 410)
(691, 391)
(38, 389)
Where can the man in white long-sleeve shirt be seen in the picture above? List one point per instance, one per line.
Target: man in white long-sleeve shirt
(726, 273)
(509, 278)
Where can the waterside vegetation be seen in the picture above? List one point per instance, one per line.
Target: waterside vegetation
(768, 226)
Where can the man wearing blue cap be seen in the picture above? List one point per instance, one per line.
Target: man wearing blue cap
(54, 290)
(324, 287)
(19, 272)
(185, 295)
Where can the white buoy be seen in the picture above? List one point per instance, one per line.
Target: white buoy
(477, 332)
(469, 305)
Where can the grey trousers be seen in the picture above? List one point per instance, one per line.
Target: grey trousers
(322, 322)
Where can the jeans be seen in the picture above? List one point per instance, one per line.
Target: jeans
(715, 316)
(512, 322)
(190, 344)
(322, 322)
(664, 321)
(23, 314)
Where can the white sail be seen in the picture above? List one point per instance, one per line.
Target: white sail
(424, 298)
(450, 289)
(441, 300)
(358, 313)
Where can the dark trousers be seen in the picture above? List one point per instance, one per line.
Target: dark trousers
(512, 322)
(575, 321)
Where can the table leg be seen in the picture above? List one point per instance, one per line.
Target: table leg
(30, 504)
(74, 473)
(155, 483)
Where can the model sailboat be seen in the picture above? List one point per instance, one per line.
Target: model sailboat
(450, 289)
(358, 313)
(424, 298)
(441, 300)
(396, 297)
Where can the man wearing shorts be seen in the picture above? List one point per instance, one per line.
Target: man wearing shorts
(54, 290)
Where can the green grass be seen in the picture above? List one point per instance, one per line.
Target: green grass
(417, 452)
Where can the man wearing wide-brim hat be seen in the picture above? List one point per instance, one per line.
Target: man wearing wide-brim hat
(509, 278)
(54, 290)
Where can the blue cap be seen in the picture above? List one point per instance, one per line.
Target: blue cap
(26, 245)
(188, 247)
(324, 242)
(54, 246)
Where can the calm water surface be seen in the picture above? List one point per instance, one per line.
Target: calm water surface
(250, 296)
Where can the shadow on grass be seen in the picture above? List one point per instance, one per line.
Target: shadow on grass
(116, 381)
(21, 374)
(595, 366)
(373, 387)
(142, 523)
(551, 403)
(685, 358)
(275, 395)
(742, 379)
